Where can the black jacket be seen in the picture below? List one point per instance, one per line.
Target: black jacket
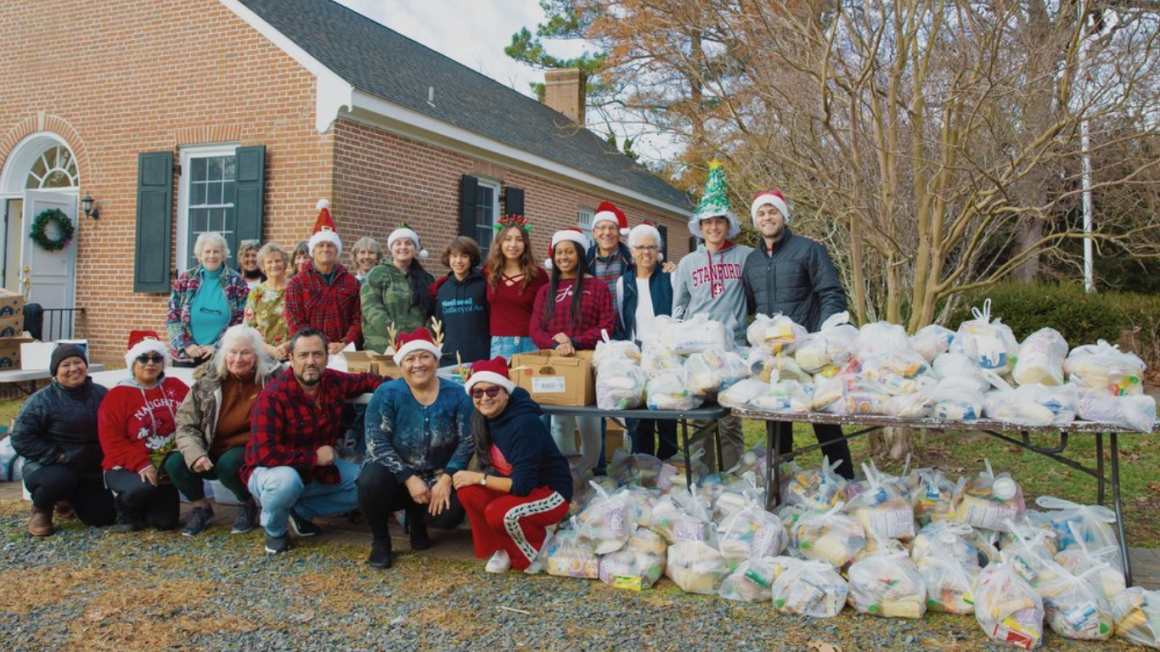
(797, 279)
(59, 426)
(521, 436)
(462, 307)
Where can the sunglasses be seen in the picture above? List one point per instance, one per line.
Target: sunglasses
(145, 358)
(492, 392)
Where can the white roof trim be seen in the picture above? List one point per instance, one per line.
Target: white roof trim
(332, 93)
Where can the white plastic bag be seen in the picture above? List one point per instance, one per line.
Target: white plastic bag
(1134, 411)
(569, 556)
(784, 396)
(932, 341)
(772, 368)
(631, 569)
(815, 489)
(713, 370)
(958, 365)
(619, 385)
(778, 334)
(608, 350)
(1137, 615)
(750, 532)
(829, 536)
(1104, 367)
(949, 539)
(1007, 608)
(988, 501)
(1033, 405)
(949, 584)
(881, 509)
(753, 579)
(740, 395)
(681, 516)
(1041, 358)
(931, 493)
(955, 399)
(888, 585)
(810, 588)
(881, 338)
(1107, 562)
(694, 335)
(696, 567)
(1072, 523)
(607, 521)
(989, 343)
(831, 345)
(669, 391)
(1076, 607)
(656, 358)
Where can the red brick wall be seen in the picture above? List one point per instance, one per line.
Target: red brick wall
(119, 77)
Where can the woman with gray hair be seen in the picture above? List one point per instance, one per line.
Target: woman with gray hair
(364, 255)
(206, 300)
(264, 305)
(213, 427)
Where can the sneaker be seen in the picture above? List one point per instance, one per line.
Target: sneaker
(277, 545)
(380, 556)
(499, 562)
(245, 519)
(303, 527)
(63, 511)
(199, 517)
(126, 523)
(40, 525)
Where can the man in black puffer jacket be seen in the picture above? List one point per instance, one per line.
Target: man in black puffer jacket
(794, 276)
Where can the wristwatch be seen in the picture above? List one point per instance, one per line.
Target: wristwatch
(483, 480)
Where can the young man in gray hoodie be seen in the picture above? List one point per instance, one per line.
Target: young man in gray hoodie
(709, 282)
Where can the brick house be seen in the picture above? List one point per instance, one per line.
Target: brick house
(181, 116)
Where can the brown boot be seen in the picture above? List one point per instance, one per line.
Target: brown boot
(63, 511)
(40, 525)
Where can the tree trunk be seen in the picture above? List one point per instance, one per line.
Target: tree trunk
(892, 443)
(1029, 233)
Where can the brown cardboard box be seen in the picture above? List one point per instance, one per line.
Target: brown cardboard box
(10, 351)
(358, 362)
(556, 380)
(11, 314)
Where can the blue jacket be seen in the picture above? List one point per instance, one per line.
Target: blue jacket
(462, 308)
(660, 288)
(410, 439)
(520, 434)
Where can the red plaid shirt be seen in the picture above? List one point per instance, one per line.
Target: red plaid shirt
(287, 426)
(333, 308)
(595, 315)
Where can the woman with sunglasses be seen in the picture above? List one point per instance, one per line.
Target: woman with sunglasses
(417, 436)
(206, 300)
(526, 484)
(136, 424)
(571, 314)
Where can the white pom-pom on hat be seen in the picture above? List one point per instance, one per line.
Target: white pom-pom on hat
(423, 254)
(323, 203)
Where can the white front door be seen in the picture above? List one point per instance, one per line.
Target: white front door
(48, 276)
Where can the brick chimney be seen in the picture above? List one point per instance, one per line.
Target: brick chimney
(566, 91)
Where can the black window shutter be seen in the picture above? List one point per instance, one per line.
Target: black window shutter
(468, 205)
(664, 231)
(513, 201)
(250, 196)
(154, 222)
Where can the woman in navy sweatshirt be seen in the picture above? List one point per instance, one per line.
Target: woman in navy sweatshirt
(526, 478)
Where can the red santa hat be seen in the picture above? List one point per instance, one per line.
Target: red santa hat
(567, 235)
(419, 340)
(608, 212)
(407, 232)
(324, 230)
(773, 198)
(142, 342)
(494, 371)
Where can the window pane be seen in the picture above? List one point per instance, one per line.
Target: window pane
(57, 179)
(228, 193)
(198, 195)
(228, 167)
(215, 168)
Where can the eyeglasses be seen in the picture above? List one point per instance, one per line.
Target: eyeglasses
(646, 248)
(145, 358)
(492, 392)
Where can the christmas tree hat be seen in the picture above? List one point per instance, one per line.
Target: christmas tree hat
(715, 203)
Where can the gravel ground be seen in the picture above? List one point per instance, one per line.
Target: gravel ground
(85, 589)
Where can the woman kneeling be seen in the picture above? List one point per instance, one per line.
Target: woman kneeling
(527, 484)
(418, 435)
(213, 427)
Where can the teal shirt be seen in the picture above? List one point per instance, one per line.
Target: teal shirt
(210, 312)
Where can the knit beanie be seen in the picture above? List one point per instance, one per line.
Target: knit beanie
(64, 352)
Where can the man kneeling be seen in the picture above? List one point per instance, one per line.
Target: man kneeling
(291, 466)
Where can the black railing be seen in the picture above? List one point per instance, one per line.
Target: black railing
(50, 324)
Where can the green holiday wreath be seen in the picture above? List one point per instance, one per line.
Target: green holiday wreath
(40, 225)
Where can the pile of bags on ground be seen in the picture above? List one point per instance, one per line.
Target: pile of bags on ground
(978, 371)
(894, 547)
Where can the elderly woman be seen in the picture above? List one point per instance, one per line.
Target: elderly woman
(264, 305)
(418, 436)
(206, 301)
(299, 257)
(213, 428)
(397, 293)
(56, 434)
(644, 292)
(364, 256)
(136, 422)
(248, 263)
(526, 484)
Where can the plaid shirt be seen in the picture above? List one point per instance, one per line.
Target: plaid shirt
(332, 308)
(609, 269)
(287, 426)
(596, 315)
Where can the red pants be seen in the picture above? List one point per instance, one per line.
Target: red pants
(518, 524)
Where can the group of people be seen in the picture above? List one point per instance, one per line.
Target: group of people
(268, 432)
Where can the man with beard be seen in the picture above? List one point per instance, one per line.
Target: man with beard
(291, 465)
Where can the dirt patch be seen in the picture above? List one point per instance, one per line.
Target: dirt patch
(463, 625)
(25, 589)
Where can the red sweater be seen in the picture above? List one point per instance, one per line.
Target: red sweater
(596, 315)
(137, 425)
(510, 310)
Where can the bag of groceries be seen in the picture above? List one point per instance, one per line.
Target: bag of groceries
(930, 494)
(752, 580)
(750, 532)
(778, 334)
(989, 343)
(1007, 608)
(570, 556)
(656, 358)
(696, 567)
(772, 368)
(889, 585)
(1072, 523)
(818, 489)
(741, 394)
(694, 335)
(1033, 405)
(881, 338)
(810, 588)
(785, 397)
(1134, 411)
(949, 583)
(829, 536)
(1041, 359)
(608, 350)
(932, 341)
(988, 501)
(958, 365)
(670, 391)
(833, 344)
(1076, 607)
(683, 516)
(1104, 367)
(1106, 561)
(620, 385)
(607, 521)
(1136, 612)
(713, 370)
(880, 506)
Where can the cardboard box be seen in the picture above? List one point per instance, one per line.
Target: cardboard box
(360, 362)
(10, 351)
(11, 314)
(556, 380)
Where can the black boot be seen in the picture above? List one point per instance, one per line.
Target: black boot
(380, 556)
(417, 519)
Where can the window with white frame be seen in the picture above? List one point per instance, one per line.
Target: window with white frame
(206, 198)
(487, 211)
(584, 222)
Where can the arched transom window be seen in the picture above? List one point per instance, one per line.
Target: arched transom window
(54, 168)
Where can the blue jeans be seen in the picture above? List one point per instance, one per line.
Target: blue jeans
(281, 489)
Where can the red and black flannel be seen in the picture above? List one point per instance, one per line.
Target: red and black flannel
(287, 426)
(595, 315)
(334, 308)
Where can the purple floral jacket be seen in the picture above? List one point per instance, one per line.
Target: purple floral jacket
(181, 302)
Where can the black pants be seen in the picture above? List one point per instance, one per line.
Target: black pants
(137, 498)
(644, 435)
(86, 492)
(825, 432)
(380, 495)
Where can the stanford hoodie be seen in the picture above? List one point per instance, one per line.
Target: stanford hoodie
(711, 284)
